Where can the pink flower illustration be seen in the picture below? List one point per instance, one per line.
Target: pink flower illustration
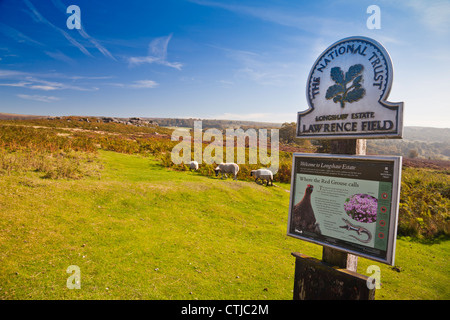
(362, 207)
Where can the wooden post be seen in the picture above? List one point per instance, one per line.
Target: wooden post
(334, 277)
(332, 256)
(340, 259)
(316, 280)
(348, 146)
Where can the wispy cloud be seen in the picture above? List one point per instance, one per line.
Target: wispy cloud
(58, 55)
(84, 34)
(52, 85)
(11, 73)
(260, 68)
(38, 84)
(157, 53)
(16, 74)
(17, 35)
(39, 18)
(21, 84)
(435, 15)
(38, 98)
(273, 14)
(85, 77)
(100, 48)
(139, 84)
(35, 82)
(144, 84)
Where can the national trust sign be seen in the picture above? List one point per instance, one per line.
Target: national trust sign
(347, 90)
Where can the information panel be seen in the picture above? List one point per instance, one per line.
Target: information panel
(348, 203)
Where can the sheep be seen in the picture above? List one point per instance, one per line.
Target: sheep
(193, 165)
(263, 174)
(225, 168)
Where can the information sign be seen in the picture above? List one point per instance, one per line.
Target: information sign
(348, 203)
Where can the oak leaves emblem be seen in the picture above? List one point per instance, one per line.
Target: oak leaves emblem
(340, 92)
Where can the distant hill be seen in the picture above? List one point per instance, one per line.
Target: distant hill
(168, 122)
(213, 123)
(417, 142)
(13, 116)
(427, 134)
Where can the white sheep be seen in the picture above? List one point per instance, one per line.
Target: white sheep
(193, 165)
(263, 174)
(225, 168)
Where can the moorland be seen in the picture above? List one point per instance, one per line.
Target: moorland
(107, 198)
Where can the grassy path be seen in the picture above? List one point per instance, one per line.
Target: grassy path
(144, 232)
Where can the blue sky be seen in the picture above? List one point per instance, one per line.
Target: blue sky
(243, 60)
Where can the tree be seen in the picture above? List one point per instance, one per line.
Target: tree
(288, 132)
(413, 153)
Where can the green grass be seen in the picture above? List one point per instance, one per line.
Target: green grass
(141, 231)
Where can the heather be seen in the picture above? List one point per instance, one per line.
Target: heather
(111, 203)
(362, 208)
(67, 148)
(424, 203)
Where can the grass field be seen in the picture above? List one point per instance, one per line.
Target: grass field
(142, 231)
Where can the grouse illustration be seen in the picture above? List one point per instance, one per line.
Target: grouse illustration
(303, 214)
